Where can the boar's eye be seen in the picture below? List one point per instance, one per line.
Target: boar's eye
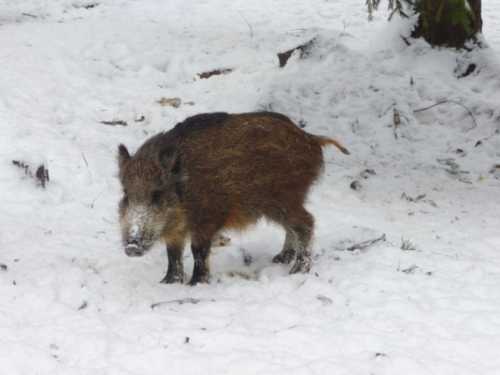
(156, 197)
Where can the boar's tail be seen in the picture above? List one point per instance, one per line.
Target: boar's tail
(324, 141)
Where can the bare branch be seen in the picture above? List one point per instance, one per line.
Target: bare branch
(114, 123)
(450, 101)
(215, 72)
(366, 244)
(41, 174)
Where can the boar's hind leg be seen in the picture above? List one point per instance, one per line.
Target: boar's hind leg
(201, 253)
(289, 250)
(175, 271)
(302, 223)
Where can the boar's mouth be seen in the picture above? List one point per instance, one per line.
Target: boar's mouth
(135, 248)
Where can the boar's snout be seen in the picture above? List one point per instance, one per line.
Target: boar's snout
(133, 248)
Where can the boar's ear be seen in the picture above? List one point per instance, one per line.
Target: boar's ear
(123, 156)
(169, 160)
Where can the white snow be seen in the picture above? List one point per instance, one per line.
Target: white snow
(74, 303)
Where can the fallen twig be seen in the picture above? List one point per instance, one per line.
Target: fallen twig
(455, 170)
(170, 102)
(418, 198)
(85, 159)
(29, 15)
(114, 123)
(366, 244)
(410, 269)
(85, 6)
(41, 174)
(396, 119)
(405, 40)
(242, 275)
(248, 24)
(450, 101)
(494, 134)
(83, 306)
(413, 199)
(324, 299)
(215, 72)
(181, 301)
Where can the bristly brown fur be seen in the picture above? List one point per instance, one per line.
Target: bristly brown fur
(224, 170)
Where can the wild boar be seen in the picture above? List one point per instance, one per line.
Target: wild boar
(218, 171)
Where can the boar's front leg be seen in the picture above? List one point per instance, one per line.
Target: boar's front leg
(175, 238)
(175, 271)
(201, 254)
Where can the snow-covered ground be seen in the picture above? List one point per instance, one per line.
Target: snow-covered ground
(73, 303)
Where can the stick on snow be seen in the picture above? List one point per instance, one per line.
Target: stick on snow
(450, 101)
(216, 72)
(114, 123)
(41, 174)
(366, 244)
(180, 301)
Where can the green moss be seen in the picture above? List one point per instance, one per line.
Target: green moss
(450, 12)
(441, 22)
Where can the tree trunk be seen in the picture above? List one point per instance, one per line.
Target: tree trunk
(448, 23)
(476, 10)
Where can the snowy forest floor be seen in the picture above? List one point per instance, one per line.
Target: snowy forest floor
(73, 303)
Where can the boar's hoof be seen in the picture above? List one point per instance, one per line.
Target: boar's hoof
(172, 278)
(301, 265)
(199, 279)
(285, 257)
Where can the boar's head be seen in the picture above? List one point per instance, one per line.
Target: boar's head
(151, 195)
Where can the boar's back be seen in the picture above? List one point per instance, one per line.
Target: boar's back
(199, 122)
